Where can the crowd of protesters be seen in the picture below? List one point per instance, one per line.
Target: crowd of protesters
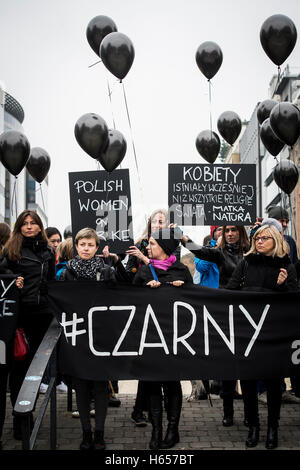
(262, 258)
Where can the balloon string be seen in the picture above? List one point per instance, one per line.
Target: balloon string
(42, 198)
(278, 78)
(111, 107)
(133, 146)
(14, 198)
(94, 64)
(210, 114)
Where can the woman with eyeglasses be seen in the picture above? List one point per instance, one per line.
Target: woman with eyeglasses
(231, 247)
(266, 267)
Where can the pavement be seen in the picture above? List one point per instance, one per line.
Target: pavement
(200, 426)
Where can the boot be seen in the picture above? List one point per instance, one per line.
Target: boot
(99, 443)
(173, 415)
(87, 441)
(253, 436)
(156, 421)
(272, 438)
(228, 411)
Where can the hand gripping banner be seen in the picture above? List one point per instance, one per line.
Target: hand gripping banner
(175, 333)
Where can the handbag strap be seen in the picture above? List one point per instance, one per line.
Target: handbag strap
(153, 272)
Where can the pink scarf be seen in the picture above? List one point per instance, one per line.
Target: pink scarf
(163, 263)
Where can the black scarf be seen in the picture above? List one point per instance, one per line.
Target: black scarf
(232, 248)
(87, 268)
(36, 244)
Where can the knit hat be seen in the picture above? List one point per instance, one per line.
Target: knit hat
(277, 212)
(212, 230)
(274, 222)
(167, 239)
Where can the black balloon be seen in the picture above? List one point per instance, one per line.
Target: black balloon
(112, 156)
(208, 145)
(286, 175)
(209, 58)
(229, 125)
(38, 164)
(264, 109)
(91, 133)
(68, 232)
(14, 151)
(269, 139)
(117, 54)
(278, 37)
(97, 29)
(285, 122)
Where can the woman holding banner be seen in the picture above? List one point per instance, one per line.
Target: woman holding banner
(27, 254)
(266, 267)
(233, 245)
(138, 257)
(163, 268)
(90, 267)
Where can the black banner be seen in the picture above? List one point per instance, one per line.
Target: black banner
(173, 333)
(9, 302)
(216, 194)
(102, 201)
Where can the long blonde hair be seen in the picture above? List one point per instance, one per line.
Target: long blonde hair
(281, 247)
(147, 231)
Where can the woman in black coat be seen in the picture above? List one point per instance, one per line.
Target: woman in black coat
(230, 249)
(138, 257)
(28, 255)
(163, 269)
(266, 267)
(88, 266)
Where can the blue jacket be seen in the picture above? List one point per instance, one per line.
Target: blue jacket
(60, 267)
(209, 272)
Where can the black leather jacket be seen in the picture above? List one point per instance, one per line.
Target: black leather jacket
(37, 266)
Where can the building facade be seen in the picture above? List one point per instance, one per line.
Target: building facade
(250, 149)
(17, 194)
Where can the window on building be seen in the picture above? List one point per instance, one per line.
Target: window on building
(30, 189)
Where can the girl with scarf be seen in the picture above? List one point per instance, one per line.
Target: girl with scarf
(28, 254)
(234, 244)
(163, 269)
(88, 266)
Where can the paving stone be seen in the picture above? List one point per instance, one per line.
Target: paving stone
(200, 428)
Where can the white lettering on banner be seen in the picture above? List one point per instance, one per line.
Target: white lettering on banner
(296, 354)
(149, 312)
(89, 186)
(182, 339)
(5, 311)
(90, 328)
(214, 173)
(257, 328)
(5, 289)
(116, 351)
(230, 342)
(100, 205)
(207, 319)
(73, 323)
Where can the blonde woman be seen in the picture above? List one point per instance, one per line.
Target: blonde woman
(266, 267)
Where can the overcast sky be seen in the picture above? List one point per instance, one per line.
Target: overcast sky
(45, 60)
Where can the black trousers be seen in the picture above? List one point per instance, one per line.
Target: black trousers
(142, 398)
(250, 397)
(172, 395)
(85, 391)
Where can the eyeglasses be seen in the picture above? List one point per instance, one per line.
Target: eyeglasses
(263, 239)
